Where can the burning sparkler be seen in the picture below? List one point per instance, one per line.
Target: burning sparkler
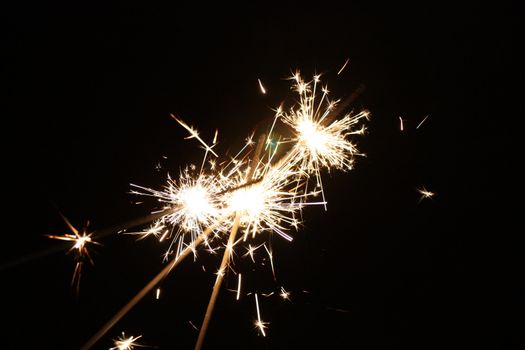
(81, 241)
(320, 141)
(254, 192)
(189, 204)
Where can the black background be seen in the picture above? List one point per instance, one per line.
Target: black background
(90, 88)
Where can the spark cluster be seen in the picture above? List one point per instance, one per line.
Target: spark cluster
(262, 189)
(123, 343)
(257, 192)
(80, 240)
(272, 200)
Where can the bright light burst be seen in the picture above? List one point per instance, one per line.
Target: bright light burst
(123, 343)
(425, 193)
(285, 295)
(264, 206)
(81, 241)
(189, 204)
(270, 203)
(321, 141)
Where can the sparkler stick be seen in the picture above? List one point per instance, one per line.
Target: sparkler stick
(227, 253)
(162, 274)
(218, 282)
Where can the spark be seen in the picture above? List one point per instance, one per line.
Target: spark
(344, 66)
(267, 295)
(157, 229)
(270, 256)
(80, 243)
(251, 250)
(124, 343)
(401, 126)
(421, 123)
(229, 249)
(194, 327)
(425, 193)
(157, 294)
(239, 287)
(220, 273)
(284, 294)
(194, 134)
(259, 324)
(263, 90)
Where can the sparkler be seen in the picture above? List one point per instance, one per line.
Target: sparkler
(80, 246)
(189, 206)
(239, 287)
(320, 142)
(253, 193)
(229, 250)
(259, 324)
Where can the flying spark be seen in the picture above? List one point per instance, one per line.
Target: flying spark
(194, 134)
(260, 324)
(344, 66)
(194, 327)
(284, 294)
(425, 193)
(239, 287)
(401, 126)
(124, 343)
(320, 141)
(421, 123)
(263, 90)
(250, 251)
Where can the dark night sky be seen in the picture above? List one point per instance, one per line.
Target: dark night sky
(90, 91)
